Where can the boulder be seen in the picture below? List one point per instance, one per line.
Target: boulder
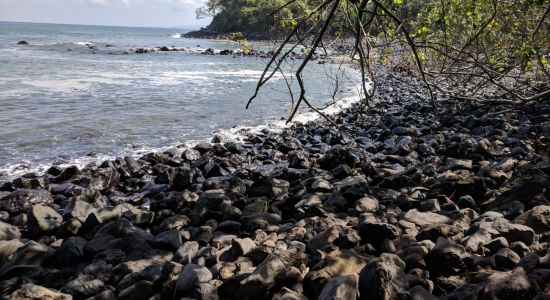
(446, 258)
(353, 187)
(384, 279)
(21, 200)
(9, 232)
(191, 275)
(43, 219)
(69, 253)
(186, 252)
(366, 204)
(31, 291)
(336, 263)
(268, 187)
(511, 285)
(22, 42)
(423, 219)
(257, 284)
(340, 288)
(538, 218)
(371, 232)
(170, 239)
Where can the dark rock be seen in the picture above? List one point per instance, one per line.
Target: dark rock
(446, 258)
(384, 279)
(84, 287)
(538, 218)
(186, 252)
(506, 259)
(21, 200)
(336, 263)
(69, 253)
(142, 290)
(170, 239)
(263, 278)
(192, 275)
(268, 187)
(340, 288)
(324, 239)
(22, 43)
(354, 187)
(509, 285)
(377, 232)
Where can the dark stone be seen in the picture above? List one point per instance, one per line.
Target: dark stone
(377, 232)
(384, 279)
(21, 200)
(268, 187)
(446, 258)
(511, 285)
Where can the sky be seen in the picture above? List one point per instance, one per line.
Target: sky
(143, 13)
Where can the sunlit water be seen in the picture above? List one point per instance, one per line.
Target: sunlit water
(61, 103)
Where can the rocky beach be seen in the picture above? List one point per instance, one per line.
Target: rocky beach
(400, 204)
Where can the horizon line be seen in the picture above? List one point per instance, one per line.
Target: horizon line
(127, 26)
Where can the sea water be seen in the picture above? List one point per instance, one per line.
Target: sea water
(77, 94)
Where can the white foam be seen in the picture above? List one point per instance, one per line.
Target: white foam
(233, 134)
(84, 43)
(176, 36)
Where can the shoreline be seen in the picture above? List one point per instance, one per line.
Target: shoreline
(452, 206)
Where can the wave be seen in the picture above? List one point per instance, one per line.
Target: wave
(237, 133)
(84, 43)
(176, 36)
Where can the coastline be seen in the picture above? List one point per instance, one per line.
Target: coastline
(449, 206)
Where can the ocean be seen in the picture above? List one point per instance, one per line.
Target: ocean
(71, 96)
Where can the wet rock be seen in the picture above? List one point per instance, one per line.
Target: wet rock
(31, 291)
(43, 219)
(340, 288)
(22, 42)
(21, 200)
(338, 155)
(384, 279)
(299, 160)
